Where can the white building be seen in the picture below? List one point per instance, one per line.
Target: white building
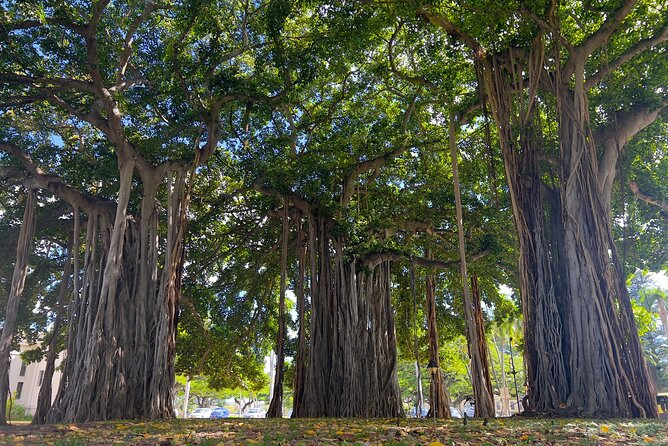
(25, 379)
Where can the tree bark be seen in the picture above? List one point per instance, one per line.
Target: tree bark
(482, 387)
(276, 404)
(121, 342)
(352, 353)
(583, 355)
(45, 391)
(439, 400)
(663, 315)
(301, 359)
(23, 248)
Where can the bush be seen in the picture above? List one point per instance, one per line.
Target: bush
(16, 412)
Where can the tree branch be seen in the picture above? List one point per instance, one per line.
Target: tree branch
(53, 183)
(378, 162)
(418, 80)
(373, 260)
(450, 28)
(543, 24)
(47, 82)
(601, 36)
(298, 202)
(126, 53)
(625, 125)
(629, 54)
(662, 205)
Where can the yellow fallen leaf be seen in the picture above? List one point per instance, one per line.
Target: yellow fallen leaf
(524, 437)
(605, 429)
(311, 432)
(436, 443)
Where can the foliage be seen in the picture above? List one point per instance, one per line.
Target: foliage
(301, 95)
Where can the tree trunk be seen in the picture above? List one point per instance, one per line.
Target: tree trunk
(352, 357)
(186, 398)
(121, 343)
(301, 359)
(23, 248)
(439, 400)
(45, 392)
(481, 346)
(416, 347)
(504, 390)
(663, 315)
(482, 387)
(583, 354)
(276, 405)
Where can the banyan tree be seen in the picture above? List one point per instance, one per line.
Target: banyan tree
(130, 75)
(583, 354)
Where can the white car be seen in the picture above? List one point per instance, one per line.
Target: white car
(254, 412)
(201, 412)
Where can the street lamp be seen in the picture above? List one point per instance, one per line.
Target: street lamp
(433, 370)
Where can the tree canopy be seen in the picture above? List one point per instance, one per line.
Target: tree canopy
(230, 177)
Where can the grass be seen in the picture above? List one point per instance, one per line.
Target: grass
(358, 432)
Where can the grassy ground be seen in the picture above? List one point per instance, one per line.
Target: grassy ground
(403, 432)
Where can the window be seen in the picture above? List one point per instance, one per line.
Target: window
(19, 390)
(22, 372)
(40, 378)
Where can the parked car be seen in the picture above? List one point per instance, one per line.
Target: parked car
(254, 412)
(201, 412)
(220, 412)
(454, 413)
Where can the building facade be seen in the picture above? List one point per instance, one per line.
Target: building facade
(25, 379)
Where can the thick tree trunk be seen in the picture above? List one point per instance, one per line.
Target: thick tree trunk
(482, 387)
(583, 355)
(121, 344)
(45, 391)
(23, 248)
(276, 404)
(352, 357)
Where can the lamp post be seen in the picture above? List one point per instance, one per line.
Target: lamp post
(514, 372)
(433, 370)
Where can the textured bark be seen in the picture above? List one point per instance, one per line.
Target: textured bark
(23, 248)
(45, 391)
(276, 404)
(121, 343)
(583, 355)
(416, 346)
(352, 353)
(481, 349)
(438, 396)
(301, 359)
(477, 347)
